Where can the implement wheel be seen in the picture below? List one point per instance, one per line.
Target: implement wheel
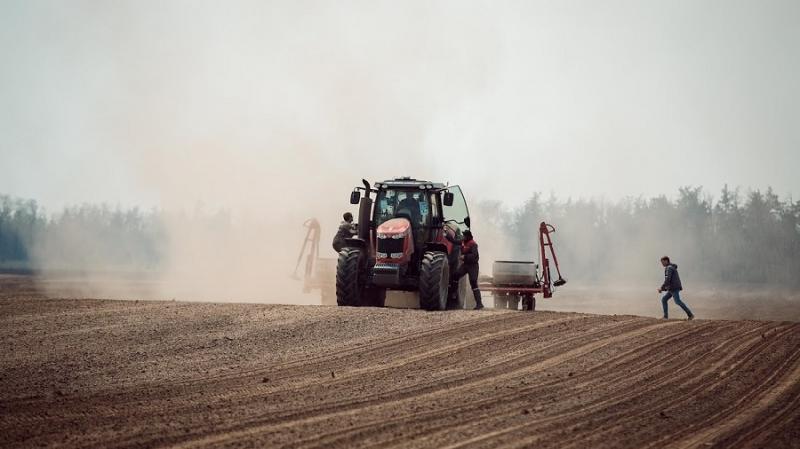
(513, 302)
(529, 303)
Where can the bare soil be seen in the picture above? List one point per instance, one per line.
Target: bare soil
(97, 373)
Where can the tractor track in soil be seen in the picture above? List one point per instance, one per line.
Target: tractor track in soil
(414, 393)
(96, 374)
(513, 409)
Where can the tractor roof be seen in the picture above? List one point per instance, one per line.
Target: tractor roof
(407, 182)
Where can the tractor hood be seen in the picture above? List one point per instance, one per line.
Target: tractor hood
(395, 245)
(394, 227)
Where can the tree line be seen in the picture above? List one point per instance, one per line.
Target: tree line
(79, 237)
(738, 238)
(750, 237)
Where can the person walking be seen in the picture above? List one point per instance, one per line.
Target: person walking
(672, 286)
(346, 230)
(469, 267)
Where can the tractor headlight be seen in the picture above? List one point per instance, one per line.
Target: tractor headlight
(382, 255)
(390, 236)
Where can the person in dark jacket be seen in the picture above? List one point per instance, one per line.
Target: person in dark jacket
(346, 230)
(672, 286)
(470, 256)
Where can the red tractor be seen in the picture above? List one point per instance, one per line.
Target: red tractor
(408, 239)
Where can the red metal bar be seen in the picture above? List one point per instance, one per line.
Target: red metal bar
(491, 288)
(545, 232)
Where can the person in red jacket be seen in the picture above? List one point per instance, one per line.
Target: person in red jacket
(469, 257)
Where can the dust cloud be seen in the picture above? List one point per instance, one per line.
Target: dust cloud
(270, 116)
(264, 115)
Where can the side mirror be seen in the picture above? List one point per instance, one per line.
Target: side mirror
(448, 199)
(355, 197)
(466, 222)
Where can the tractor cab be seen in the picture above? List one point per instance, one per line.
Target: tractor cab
(410, 215)
(397, 211)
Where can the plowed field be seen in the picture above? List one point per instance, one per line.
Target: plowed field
(110, 374)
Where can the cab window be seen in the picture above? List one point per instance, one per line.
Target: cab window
(458, 212)
(413, 205)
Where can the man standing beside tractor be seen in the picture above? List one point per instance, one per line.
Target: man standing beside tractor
(469, 266)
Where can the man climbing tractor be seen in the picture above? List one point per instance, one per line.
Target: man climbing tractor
(347, 229)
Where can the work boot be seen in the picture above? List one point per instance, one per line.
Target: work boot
(690, 318)
(478, 303)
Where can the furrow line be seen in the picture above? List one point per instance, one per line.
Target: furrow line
(187, 404)
(507, 368)
(553, 422)
(704, 381)
(429, 417)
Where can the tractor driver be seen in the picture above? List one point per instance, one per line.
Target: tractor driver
(469, 266)
(411, 203)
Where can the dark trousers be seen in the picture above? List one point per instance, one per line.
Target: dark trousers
(472, 271)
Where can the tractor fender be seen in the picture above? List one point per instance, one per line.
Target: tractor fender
(355, 242)
(436, 246)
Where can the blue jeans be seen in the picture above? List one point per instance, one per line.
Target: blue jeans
(677, 295)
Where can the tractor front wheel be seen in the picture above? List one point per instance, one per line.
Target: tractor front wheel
(434, 281)
(349, 278)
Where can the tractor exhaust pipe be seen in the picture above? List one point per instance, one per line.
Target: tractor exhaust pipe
(367, 188)
(365, 213)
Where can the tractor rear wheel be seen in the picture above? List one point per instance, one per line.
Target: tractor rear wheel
(434, 280)
(457, 295)
(349, 278)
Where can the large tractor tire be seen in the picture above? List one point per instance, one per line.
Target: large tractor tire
(434, 281)
(349, 278)
(513, 302)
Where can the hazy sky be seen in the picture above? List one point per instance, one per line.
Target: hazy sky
(155, 102)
